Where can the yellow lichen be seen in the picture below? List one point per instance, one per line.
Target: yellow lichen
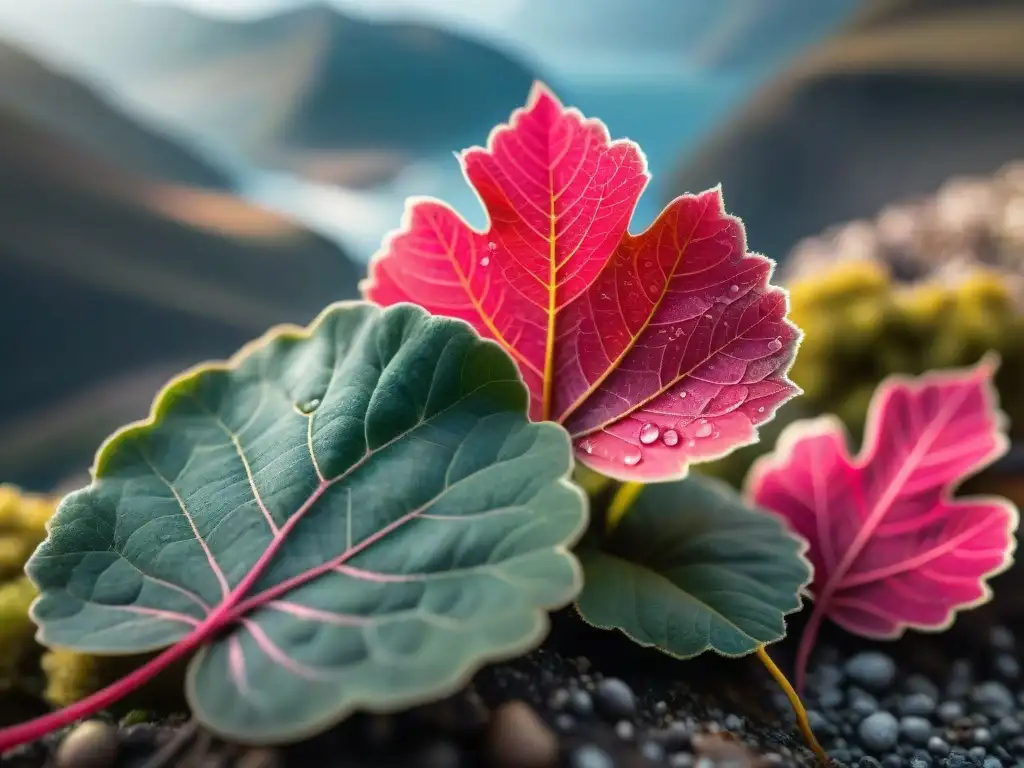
(23, 518)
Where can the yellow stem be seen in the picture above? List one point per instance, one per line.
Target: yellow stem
(794, 701)
(622, 502)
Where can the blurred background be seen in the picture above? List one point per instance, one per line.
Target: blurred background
(175, 177)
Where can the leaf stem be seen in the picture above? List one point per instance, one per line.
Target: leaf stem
(794, 701)
(622, 502)
(807, 640)
(31, 730)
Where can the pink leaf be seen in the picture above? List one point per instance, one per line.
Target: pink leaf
(891, 548)
(654, 350)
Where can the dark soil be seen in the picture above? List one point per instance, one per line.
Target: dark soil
(591, 699)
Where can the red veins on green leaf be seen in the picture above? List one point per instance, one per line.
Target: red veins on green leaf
(891, 549)
(654, 350)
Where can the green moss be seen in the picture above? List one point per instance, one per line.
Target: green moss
(71, 676)
(23, 519)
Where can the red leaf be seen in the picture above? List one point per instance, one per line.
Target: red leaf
(654, 350)
(891, 549)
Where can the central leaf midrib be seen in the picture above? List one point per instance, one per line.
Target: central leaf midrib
(613, 366)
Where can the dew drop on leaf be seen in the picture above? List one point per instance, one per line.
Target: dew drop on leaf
(703, 430)
(308, 406)
(492, 246)
(631, 459)
(682, 395)
(774, 345)
(587, 447)
(670, 438)
(649, 433)
(691, 443)
(485, 261)
(761, 409)
(733, 288)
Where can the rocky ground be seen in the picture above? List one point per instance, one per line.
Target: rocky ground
(589, 699)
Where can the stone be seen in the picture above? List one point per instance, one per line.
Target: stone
(93, 744)
(879, 732)
(519, 738)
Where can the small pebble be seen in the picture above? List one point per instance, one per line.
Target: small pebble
(981, 736)
(878, 732)
(624, 730)
(917, 730)
(734, 723)
(1006, 667)
(920, 684)
(580, 702)
(682, 760)
(917, 704)
(676, 737)
(1001, 638)
(590, 756)
(992, 762)
(938, 747)
(992, 698)
(948, 711)
(871, 669)
(615, 699)
(93, 744)
(518, 737)
(653, 751)
(868, 762)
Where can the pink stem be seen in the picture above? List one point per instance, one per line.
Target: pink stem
(803, 651)
(31, 730)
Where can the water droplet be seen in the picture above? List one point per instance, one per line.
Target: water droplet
(631, 459)
(587, 446)
(492, 246)
(774, 345)
(691, 443)
(703, 430)
(649, 433)
(682, 395)
(485, 261)
(734, 288)
(670, 438)
(678, 332)
(308, 406)
(653, 289)
(761, 409)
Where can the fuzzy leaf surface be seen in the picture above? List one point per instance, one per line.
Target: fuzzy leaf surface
(355, 514)
(654, 350)
(891, 548)
(693, 568)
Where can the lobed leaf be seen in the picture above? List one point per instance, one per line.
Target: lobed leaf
(693, 568)
(654, 350)
(891, 548)
(357, 514)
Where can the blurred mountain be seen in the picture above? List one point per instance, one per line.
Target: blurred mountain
(78, 114)
(911, 93)
(112, 280)
(308, 90)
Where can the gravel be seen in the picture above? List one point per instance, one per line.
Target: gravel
(619, 708)
(868, 711)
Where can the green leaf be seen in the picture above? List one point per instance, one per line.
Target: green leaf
(691, 568)
(354, 515)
